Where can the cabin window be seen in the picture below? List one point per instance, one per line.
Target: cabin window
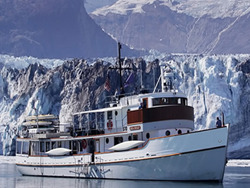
(107, 140)
(19, 147)
(47, 146)
(118, 140)
(179, 131)
(53, 145)
(109, 115)
(80, 145)
(167, 133)
(59, 144)
(129, 138)
(76, 122)
(135, 137)
(42, 147)
(179, 100)
(100, 120)
(147, 135)
(25, 148)
(75, 148)
(84, 121)
(34, 149)
(70, 146)
(92, 120)
(169, 101)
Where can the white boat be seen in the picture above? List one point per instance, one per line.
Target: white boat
(148, 136)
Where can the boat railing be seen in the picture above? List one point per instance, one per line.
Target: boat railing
(114, 99)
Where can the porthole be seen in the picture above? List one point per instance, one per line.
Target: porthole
(147, 135)
(179, 131)
(107, 140)
(188, 131)
(167, 133)
(129, 138)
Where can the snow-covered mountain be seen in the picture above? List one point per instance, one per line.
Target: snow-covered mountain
(92, 5)
(213, 84)
(52, 29)
(174, 26)
(194, 8)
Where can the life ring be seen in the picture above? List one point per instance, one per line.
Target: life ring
(110, 125)
(84, 144)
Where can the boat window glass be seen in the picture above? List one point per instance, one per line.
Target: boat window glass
(147, 135)
(167, 133)
(84, 121)
(75, 147)
(53, 145)
(47, 146)
(169, 101)
(109, 114)
(34, 148)
(18, 147)
(135, 137)
(129, 138)
(42, 148)
(107, 140)
(100, 120)
(59, 144)
(92, 120)
(179, 100)
(80, 145)
(76, 122)
(118, 140)
(69, 145)
(25, 148)
(179, 131)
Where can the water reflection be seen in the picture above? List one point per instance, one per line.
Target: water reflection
(9, 177)
(25, 181)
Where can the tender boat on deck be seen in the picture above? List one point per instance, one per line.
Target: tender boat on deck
(148, 136)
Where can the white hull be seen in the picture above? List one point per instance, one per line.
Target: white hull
(195, 156)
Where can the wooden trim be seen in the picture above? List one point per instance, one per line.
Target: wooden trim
(163, 113)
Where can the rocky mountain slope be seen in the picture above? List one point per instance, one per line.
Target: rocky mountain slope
(177, 26)
(213, 84)
(52, 29)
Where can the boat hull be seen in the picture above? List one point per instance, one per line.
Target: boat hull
(160, 159)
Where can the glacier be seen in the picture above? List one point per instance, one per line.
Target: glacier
(214, 84)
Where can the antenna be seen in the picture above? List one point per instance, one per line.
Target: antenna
(167, 78)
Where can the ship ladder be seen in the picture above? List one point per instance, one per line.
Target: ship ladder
(85, 169)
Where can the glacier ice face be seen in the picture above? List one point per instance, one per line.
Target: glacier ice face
(213, 84)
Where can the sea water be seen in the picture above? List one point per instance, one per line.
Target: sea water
(237, 175)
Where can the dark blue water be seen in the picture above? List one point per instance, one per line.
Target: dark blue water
(238, 177)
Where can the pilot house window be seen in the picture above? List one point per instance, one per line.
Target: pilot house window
(169, 101)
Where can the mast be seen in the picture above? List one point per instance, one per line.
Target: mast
(120, 68)
(120, 64)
